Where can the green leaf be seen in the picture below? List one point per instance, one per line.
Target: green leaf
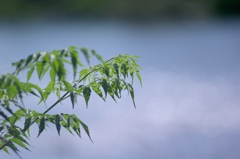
(96, 89)
(74, 59)
(60, 70)
(105, 86)
(8, 81)
(41, 126)
(86, 94)
(19, 142)
(12, 91)
(29, 59)
(36, 87)
(86, 54)
(5, 149)
(46, 93)
(45, 69)
(116, 68)
(53, 75)
(110, 92)
(124, 71)
(73, 97)
(85, 127)
(68, 85)
(116, 87)
(83, 73)
(14, 148)
(2, 79)
(58, 92)
(65, 125)
(75, 125)
(57, 123)
(1, 93)
(13, 119)
(29, 74)
(40, 66)
(99, 57)
(132, 94)
(139, 77)
(27, 123)
(19, 113)
(132, 75)
(106, 71)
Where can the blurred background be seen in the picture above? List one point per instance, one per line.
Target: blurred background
(133, 9)
(188, 106)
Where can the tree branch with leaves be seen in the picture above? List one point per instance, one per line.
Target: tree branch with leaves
(109, 78)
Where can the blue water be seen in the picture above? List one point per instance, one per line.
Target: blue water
(204, 47)
(200, 49)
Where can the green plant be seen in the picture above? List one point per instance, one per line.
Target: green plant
(107, 78)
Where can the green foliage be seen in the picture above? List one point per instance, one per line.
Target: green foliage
(107, 78)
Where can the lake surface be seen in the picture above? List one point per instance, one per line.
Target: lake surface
(188, 106)
(203, 47)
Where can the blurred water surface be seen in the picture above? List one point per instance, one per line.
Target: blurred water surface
(189, 67)
(212, 45)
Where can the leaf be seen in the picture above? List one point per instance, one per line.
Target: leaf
(139, 77)
(29, 59)
(29, 73)
(69, 120)
(106, 71)
(14, 148)
(45, 69)
(53, 75)
(83, 73)
(40, 66)
(73, 97)
(5, 149)
(74, 59)
(110, 92)
(31, 85)
(104, 86)
(132, 75)
(58, 92)
(85, 127)
(132, 94)
(61, 71)
(8, 81)
(68, 85)
(27, 123)
(19, 113)
(41, 126)
(99, 57)
(46, 93)
(116, 68)
(116, 87)
(86, 54)
(19, 142)
(57, 123)
(16, 132)
(13, 119)
(76, 125)
(65, 125)
(96, 89)
(12, 91)
(124, 71)
(87, 94)
(2, 79)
